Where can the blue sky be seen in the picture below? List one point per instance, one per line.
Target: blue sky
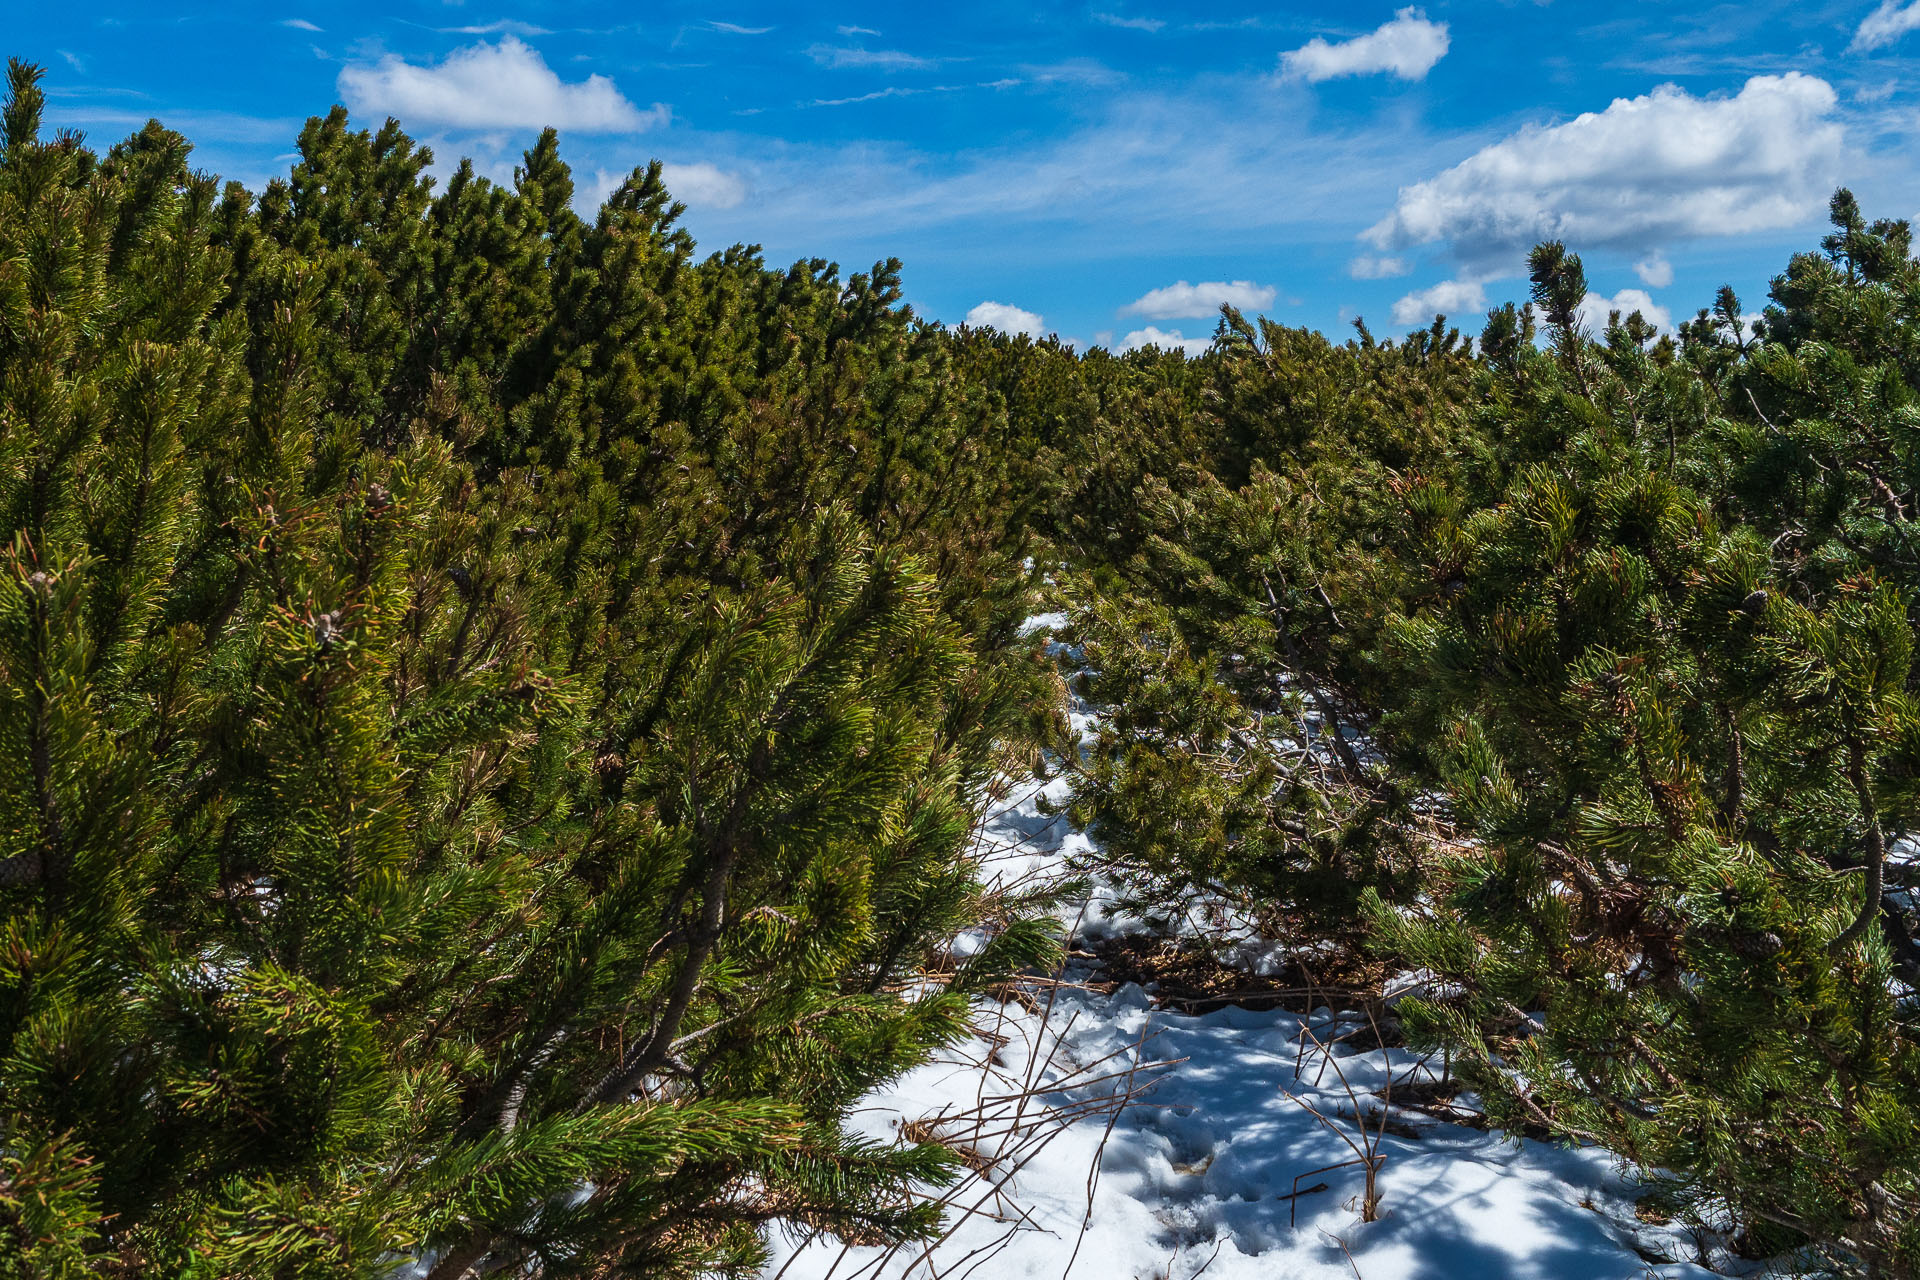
(1107, 171)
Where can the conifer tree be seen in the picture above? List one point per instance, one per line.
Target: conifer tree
(450, 815)
(1624, 631)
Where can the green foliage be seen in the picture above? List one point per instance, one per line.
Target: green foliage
(492, 713)
(494, 709)
(1581, 679)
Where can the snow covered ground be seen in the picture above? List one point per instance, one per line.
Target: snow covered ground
(1217, 1162)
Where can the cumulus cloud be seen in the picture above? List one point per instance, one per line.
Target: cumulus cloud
(1171, 340)
(1408, 47)
(1182, 300)
(1369, 267)
(704, 185)
(491, 86)
(840, 58)
(1886, 24)
(1007, 319)
(1659, 167)
(1448, 298)
(1654, 271)
(1594, 310)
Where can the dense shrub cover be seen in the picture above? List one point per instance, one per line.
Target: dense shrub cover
(493, 714)
(1577, 674)
(493, 708)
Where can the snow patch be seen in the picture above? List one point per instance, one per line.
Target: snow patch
(1109, 1139)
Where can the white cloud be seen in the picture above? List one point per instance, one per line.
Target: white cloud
(891, 91)
(500, 86)
(1408, 46)
(735, 29)
(298, 24)
(839, 58)
(1452, 298)
(502, 26)
(1171, 340)
(1150, 168)
(1885, 25)
(1182, 300)
(1084, 72)
(1647, 169)
(1369, 267)
(589, 196)
(1007, 319)
(1654, 270)
(258, 133)
(858, 31)
(1594, 310)
(704, 185)
(1148, 25)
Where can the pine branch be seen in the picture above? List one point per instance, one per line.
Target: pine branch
(1876, 845)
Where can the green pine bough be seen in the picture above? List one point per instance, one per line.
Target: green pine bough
(492, 714)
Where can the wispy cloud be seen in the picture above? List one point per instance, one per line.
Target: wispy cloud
(1149, 25)
(1150, 165)
(202, 126)
(704, 185)
(74, 60)
(1081, 72)
(735, 29)
(1182, 300)
(891, 91)
(841, 57)
(858, 31)
(498, 27)
(299, 24)
(1643, 172)
(1407, 47)
(1885, 25)
(499, 86)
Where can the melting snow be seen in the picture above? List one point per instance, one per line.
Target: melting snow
(1227, 1116)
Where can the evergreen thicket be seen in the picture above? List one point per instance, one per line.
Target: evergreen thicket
(494, 708)
(1576, 674)
(493, 714)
